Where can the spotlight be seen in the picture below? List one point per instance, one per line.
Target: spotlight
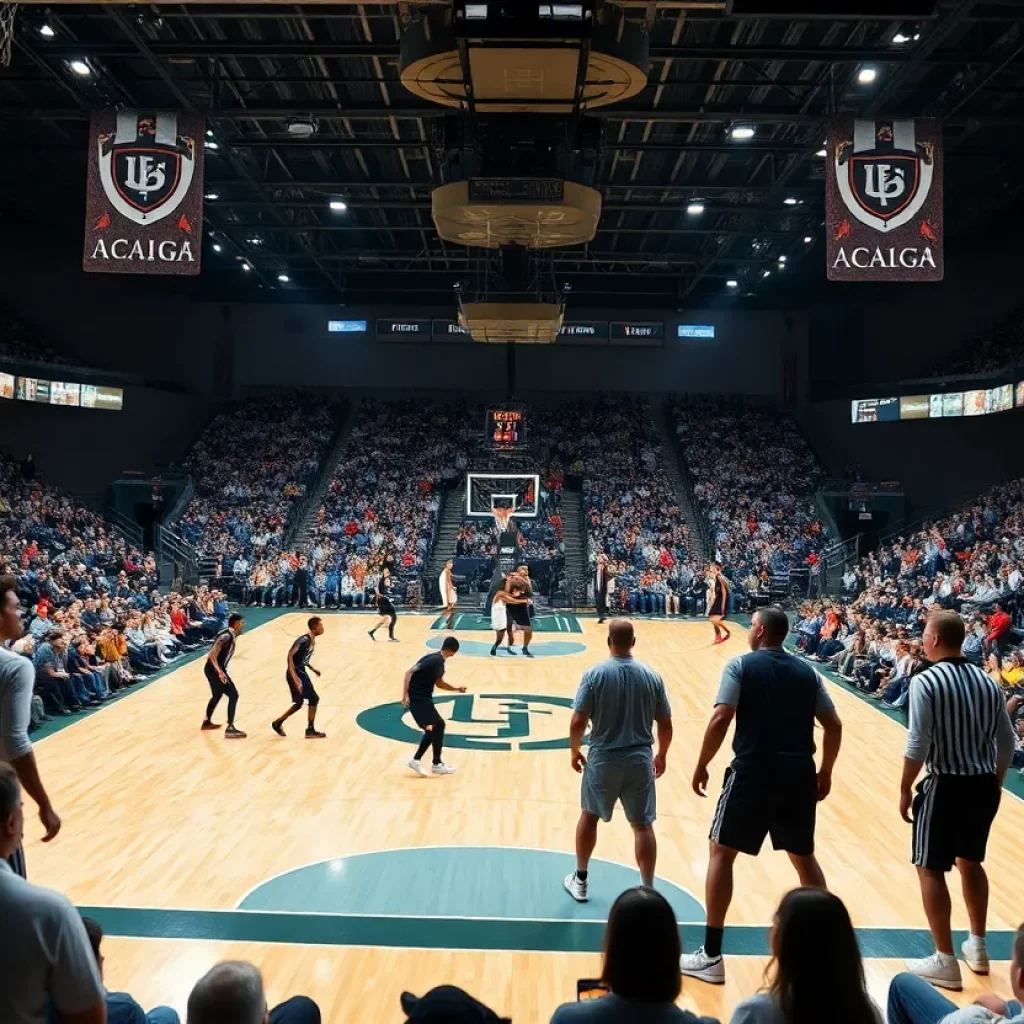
(255, 241)
(338, 205)
(247, 266)
(210, 144)
(283, 278)
(766, 273)
(212, 195)
(80, 68)
(217, 247)
(822, 152)
(808, 239)
(741, 132)
(732, 284)
(783, 258)
(209, 133)
(695, 209)
(791, 200)
(899, 39)
(46, 31)
(867, 75)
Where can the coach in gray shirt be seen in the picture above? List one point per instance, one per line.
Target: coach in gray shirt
(621, 699)
(45, 957)
(17, 677)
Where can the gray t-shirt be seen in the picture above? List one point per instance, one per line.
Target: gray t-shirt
(623, 697)
(762, 1009)
(17, 677)
(46, 954)
(613, 1009)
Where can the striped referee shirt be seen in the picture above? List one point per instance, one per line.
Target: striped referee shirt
(958, 721)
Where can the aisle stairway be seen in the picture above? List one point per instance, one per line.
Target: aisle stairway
(297, 538)
(575, 535)
(661, 418)
(453, 507)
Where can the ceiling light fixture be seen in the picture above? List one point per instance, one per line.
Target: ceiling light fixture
(80, 68)
(783, 258)
(695, 209)
(899, 39)
(283, 278)
(767, 273)
(210, 144)
(338, 205)
(808, 239)
(741, 131)
(247, 266)
(217, 247)
(732, 284)
(212, 195)
(791, 200)
(867, 75)
(822, 152)
(46, 31)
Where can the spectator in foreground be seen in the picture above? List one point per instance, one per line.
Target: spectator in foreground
(447, 1004)
(816, 969)
(641, 967)
(232, 993)
(913, 1001)
(46, 954)
(121, 1008)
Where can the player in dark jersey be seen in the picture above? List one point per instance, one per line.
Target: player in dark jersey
(385, 609)
(417, 695)
(719, 603)
(297, 677)
(216, 669)
(518, 586)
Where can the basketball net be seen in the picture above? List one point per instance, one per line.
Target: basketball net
(502, 516)
(8, 12)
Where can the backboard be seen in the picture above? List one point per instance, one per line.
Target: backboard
(517, 492)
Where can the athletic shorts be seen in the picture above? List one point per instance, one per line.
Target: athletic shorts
(628, 779)
(306, 691)
(424, 713)
(385, 607)
(953, 815)
(757, 801)
(519, 614)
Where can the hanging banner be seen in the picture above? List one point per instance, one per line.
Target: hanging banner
(144, 203)
(883, 200)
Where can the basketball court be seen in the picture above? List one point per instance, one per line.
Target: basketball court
(346, 877)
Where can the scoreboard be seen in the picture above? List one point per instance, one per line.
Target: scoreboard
(505, 429)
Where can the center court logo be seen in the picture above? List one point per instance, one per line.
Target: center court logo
(482, 721)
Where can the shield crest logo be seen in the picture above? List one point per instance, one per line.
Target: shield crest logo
(884, 175)
(145, 167)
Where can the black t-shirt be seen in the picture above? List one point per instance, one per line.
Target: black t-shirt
(425, 673)
(300, 653)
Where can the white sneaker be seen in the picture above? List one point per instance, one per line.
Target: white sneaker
(699, 965)
(976, 955)
(576, 888)
(417, 767)
(939, 969)
(442, 769)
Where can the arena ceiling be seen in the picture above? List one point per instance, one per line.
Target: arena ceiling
(251, 67)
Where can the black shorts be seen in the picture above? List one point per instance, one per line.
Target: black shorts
(305, 691)
(718, 608)
(519, 614)
(759, 800)
(424, 713)
(953, 815)
(385, 607)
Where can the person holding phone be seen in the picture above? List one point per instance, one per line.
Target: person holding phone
(640, 980)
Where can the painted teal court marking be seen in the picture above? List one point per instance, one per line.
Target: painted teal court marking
(452, 933)
(474, 622)
(508, 715)
(466, 882)
(541, 649)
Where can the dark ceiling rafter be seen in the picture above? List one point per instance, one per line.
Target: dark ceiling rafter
(249, 70)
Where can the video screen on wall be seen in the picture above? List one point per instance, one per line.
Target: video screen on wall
(32, 389)
(6, 385)
(59, 392)
(65, 393)
(94, 397)
(981, 402)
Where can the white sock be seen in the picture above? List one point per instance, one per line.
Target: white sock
(978, 941)
(946, 958)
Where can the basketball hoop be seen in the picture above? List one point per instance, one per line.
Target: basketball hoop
(502, 517)
(8, 12)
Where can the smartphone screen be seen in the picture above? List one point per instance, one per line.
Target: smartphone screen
(591, 988)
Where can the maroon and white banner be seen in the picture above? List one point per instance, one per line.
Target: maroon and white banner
(883, 200)
(144, 204)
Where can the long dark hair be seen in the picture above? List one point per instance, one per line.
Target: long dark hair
(817, 962)
(642, 947)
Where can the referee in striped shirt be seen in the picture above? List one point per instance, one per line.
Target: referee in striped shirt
(961, 733)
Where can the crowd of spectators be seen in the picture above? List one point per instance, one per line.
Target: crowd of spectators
(971, 562)
(251, 469)
(97, 621)
(754, 477)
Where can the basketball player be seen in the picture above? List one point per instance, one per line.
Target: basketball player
(417, 695)
(718, 585)
(17, 678)
(448, 593)
(961, 733)
(518, 586)
(499, 619)
(385, 609)
(772, 787)
(216, 670)
(297, 677)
